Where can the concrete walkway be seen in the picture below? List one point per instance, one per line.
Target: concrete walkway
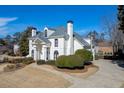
(108, 76)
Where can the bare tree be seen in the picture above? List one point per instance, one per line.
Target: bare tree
(107, 26)
(110, 28)
(114, 29)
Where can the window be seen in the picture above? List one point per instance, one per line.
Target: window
(56, 54)
(45, 33)
(56, 42)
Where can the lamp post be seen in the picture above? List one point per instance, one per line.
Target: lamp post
(92, 45)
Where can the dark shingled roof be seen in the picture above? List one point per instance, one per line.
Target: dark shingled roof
(60, 32)
(41, 36)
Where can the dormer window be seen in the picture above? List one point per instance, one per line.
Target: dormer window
(45, 33)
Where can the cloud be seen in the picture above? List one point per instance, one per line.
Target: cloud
(5, 21)
(3, 25)
(3, 31)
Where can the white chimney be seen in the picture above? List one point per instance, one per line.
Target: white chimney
(70, 47)
(34, 31)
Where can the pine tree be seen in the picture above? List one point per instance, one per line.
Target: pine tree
(24, 42)
(121, 18)
(120, 37)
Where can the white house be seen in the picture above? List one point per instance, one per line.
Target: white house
(53, 42)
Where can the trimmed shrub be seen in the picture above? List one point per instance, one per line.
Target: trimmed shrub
(25, 61)
(13, 67)
(20, 65)
(71, 61)
(50, 62)
(9, 68)
(84, 54)
(14, 61)
(28, 60)
(40, 62)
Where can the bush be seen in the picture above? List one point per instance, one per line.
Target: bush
(27, 61)
(5, 59)
(71, 61)
(20, 65)
(14, 61)
(9, 68)
(85, 54)
(13, 67)
(40, 62)
(50, 62)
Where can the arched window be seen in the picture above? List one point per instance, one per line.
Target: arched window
(56, 54)
(32, 53)
(45, 33)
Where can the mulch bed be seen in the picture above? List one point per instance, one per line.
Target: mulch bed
(78, 70)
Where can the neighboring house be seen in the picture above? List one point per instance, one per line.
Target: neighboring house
(51, 43)
(105, 48)
(16, 49)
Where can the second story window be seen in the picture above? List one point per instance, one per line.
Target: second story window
(56, 42)
(45, 33)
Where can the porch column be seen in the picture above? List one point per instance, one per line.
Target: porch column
(38, 53)
(35, 54)
(45, 53)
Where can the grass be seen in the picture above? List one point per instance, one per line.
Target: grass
(31, 77)
(122, 86)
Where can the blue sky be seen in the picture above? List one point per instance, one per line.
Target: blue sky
(17, 18)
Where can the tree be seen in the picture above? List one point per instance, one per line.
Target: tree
(24, 42)
(117, 33)
(17, 36)
(102, 36)
(8, 39)
(93, 33)
(121, 18)
(120, 26)
(3, 42)
(107, 27)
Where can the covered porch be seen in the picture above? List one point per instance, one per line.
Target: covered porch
(41, 50)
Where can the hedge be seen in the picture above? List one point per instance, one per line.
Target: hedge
(71, 61)
(40, 62)
(27, 60)
(85, 54)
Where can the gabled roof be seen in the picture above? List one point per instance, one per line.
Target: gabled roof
(40, 36)
(80, 39)
(58, 33)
